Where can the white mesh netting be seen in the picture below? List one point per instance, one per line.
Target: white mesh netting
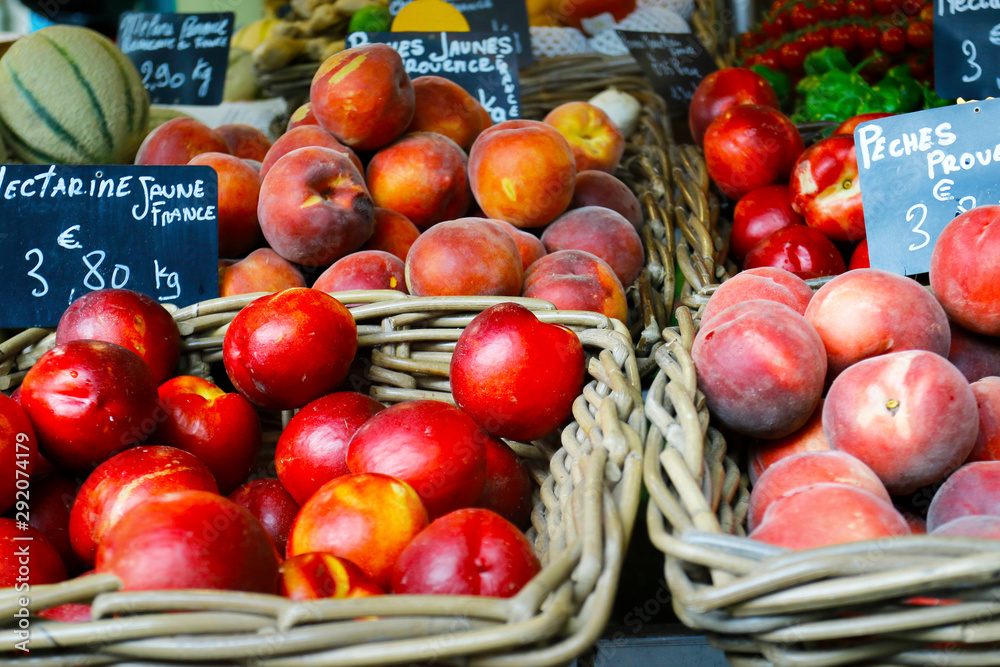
(547, 42)
(646, 19)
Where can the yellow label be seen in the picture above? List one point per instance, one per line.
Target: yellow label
(429, 16)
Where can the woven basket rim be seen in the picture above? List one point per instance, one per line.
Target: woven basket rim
(557, 615)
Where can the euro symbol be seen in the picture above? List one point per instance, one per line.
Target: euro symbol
(942, 189)
(66, 239)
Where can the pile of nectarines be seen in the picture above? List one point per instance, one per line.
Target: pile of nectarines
(116, 465)
(870, 392)
(794, 204)
(379, 182)
(375, 164)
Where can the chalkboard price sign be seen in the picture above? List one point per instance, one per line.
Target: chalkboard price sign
(920, 170)
(483, 63)
(182, 58)
(967, 49)
(492, 16)
(675, 63)
(69, 230)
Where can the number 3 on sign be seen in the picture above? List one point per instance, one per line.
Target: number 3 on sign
(912, 213)
(44, 289)
(969, 49)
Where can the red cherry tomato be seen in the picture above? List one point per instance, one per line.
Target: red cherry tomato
(893, 40)
(844, 37)
(803, 16)
(920, 65)
(868, 37)
(911, 7)
(771, 59)
(793, 54)
(751, 40)
(919, 35)
(876, 67)
(781, 23)
(926, 13)
(817, 39)
(884, 7)
(771, 29)
(831, 10)
(861, 8)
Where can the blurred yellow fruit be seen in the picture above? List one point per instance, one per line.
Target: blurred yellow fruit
(541, 13)
(252, 34)
(537, 7)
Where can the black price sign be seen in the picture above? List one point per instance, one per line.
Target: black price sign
(482, 63)
(675, 63)
(69, 230)
(182, 58)
(967, 49)
(492, 16)
(920, 170)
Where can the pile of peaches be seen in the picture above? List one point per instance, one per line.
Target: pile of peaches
(112, 464)
(870, 408)
(383, 182)
(854, 403)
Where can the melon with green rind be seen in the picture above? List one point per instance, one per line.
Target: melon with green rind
(68, 95)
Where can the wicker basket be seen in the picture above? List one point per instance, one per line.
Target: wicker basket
(589, 482)
(764, 605)
(712, 22)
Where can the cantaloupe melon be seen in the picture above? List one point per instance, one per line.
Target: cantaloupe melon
(68, 95)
